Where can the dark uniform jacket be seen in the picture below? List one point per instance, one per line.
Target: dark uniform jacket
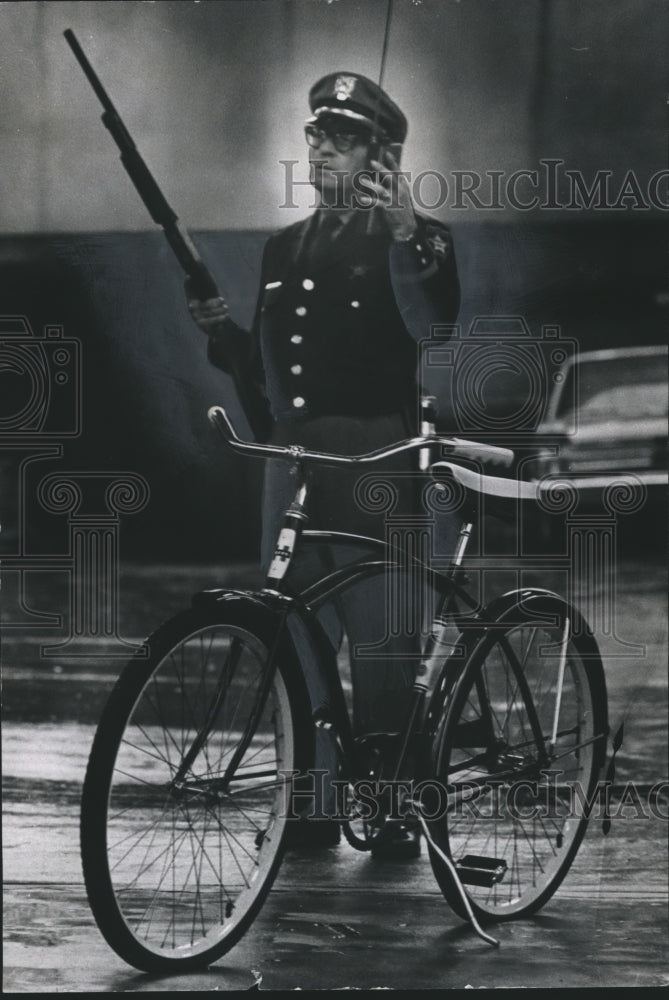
(334, 346)
(339, 317)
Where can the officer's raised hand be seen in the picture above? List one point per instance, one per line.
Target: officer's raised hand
(392, 190)
(209, 314)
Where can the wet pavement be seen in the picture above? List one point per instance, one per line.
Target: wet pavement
(336, 918)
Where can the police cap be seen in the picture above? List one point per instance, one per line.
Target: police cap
(358, 99)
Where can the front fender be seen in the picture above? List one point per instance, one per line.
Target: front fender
(317, 656)
(268, 614)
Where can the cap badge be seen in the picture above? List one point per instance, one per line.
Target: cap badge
(344, 86)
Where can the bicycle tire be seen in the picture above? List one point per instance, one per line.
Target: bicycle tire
(176, 865)
(517, 847)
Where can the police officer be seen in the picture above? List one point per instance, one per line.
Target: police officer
(346, 296)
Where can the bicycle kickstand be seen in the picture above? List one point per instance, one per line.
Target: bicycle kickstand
(456, 880)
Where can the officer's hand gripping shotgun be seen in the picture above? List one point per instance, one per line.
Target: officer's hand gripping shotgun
(200, 282)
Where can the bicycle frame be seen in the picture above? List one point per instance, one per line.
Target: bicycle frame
(277, 596)
(292, 535)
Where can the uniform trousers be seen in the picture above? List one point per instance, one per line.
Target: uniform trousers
(383, 657)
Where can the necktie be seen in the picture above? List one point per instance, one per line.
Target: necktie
(329, 228)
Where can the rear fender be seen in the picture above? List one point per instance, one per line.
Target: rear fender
(517, 606)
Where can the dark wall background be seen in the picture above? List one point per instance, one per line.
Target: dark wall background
(146, 384)
(214, 94)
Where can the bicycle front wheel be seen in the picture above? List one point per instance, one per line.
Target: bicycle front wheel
(516, 758)
(184, 800)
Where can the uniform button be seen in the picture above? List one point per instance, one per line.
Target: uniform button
(298, 402)
(419, 246)
(308, 284)
(301, 311)
(296, 339)
(355, 304)
(423, 260)
(296, 369)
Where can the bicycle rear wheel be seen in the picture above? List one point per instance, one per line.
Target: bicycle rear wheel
(516, 757)
(184, 800)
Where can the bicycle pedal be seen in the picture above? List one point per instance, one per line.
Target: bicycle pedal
(474, 869)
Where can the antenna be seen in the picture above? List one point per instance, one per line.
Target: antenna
(384, 52)
(386, 36)
(375, 144)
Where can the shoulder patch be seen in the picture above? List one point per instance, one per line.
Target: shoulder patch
(438, 239)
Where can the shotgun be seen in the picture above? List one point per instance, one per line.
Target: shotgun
(201, 283)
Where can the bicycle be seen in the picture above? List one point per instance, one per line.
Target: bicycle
(208, 734)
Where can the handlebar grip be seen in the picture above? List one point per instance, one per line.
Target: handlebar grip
(480, 452)
(221, 421)
(219, 418)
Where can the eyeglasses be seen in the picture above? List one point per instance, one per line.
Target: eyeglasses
(343, 142)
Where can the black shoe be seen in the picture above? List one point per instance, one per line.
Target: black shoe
(398, 842)
(303, 833)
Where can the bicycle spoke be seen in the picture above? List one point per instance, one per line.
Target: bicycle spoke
(522, 710)
(190, 845)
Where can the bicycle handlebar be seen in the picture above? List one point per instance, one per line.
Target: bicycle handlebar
(452, 447)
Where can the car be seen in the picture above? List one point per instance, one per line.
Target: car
(604, 439)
